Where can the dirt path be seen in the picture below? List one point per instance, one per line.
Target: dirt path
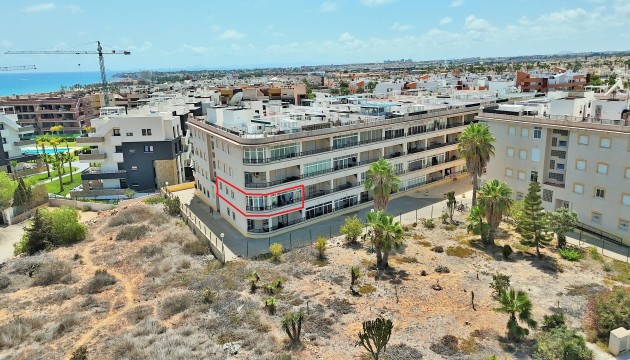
(129, 293)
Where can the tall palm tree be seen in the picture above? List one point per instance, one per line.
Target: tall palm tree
(382, 180)
(495, 200)
(476, 224)
(387, 236)
(475, 145)
(68, 157)
(42, 141)
(519, 307)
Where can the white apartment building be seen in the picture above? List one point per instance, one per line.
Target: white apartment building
(12, 138)
(272, 173)
(577, 147)
(142, 149)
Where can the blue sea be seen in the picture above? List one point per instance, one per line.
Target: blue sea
(20, 83)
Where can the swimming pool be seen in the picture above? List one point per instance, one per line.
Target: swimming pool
(49, 151)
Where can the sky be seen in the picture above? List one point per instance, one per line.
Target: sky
(264, 33)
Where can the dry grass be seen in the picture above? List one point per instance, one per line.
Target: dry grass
(57, 272)
(133, 232)
(101, 280)
(459, 251)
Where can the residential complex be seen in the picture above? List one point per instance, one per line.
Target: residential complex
(545, 82)
(264, 174)
(42, 112)
(577, 146)
(12, 138)
(141, 149)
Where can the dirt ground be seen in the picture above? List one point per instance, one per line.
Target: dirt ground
(171, 301)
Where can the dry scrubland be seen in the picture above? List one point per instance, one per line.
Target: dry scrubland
(141, 287)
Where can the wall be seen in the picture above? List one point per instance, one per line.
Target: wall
(10, 219)
(145, 173)
(80, 204)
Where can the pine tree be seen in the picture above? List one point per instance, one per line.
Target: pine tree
(39, 234)
(533, 225)
(22, 194)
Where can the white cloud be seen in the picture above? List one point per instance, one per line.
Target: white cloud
(346, 37)
(230, 34)
(457, 3)
(401, 27)
(376, 2)
(40, 7)
(74, 9)
(5, 43)
(328, 6)
(216, 28)
(196, 50)
(147, 45)
(474, 23)
(446, 20)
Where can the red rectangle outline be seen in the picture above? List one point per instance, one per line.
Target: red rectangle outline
(219, 179)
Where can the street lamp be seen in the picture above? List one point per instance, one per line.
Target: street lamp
(166, 187)
(222, 247)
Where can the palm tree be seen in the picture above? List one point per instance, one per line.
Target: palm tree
(494, 199)
(519, 307)
(382, 180)
(68, 157)
(57, 164)
(476, 224)
(475, 145)
(41, 141)
(387, 236)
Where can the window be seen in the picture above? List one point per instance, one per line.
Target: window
(510, 152)
(602, 168)
(511, 130)
(230, 171)
(580, 165)
(342, 141)
(599, 192)
(129, 134)
(533, 176)
(547, 195)
(578, 188)
(596, 217)
(560, 166)
(232, 194)
(562, 143)
(229, 212)
(316, 167)
(134, 167)
(583, 139)
(116, 132)
(625, 199)
(233, 215)
(537, 132)
(146, 132)
(604, 143)
(148, 148)
(284, 151)
(536, 154)
(524, 132)
(521, 175)
(4, 140)
(132, 151)
(508, 172)
(623, 225)
(519, 195)
(522, 154)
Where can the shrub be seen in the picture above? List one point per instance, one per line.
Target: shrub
(608, 310)
(459, 251)
(81, 353)
(101, 280)
(50, 228)
(4, 282)
(553, 321)
(154, 200)
(172, 206)
(274, 286)
(352, 228)
(253, 279)
(500, 282)
(197, 247)
(570, 254)
(276, 250)
(447, 346)
(131, 215)
(450, 227)
(19, 329)
(438, 249)
(561, 343)
(56, 272)
(86, 208)
(441, 269)
(366, 289)
(208, 296)
(320, 245)
(270, 304)
(595, 254)
(623, 271)
(175, 304)
(149, 251)
(375, 336)
(607, 267)
(506, 251)
(133, 232)
(428, 223)
(408, 259)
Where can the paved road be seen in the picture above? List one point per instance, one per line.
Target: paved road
(9, 235)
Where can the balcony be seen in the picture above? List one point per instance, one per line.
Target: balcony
(92, 156)
(95, 173)
(25, 142)
(276, 205)
(90, 140)
(26, 129)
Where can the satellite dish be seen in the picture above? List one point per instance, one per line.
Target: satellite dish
(236, 99)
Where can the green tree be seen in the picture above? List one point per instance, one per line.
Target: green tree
(352, 228)
(495, 200)
(375, 336)
(561, 343)
(37, 237)
(475, 145)
(388, 235)
(22, 194)
(66, 226)
(381, 179)
(562, 221)
(7, 188)
(476, 224)
(451, 202)
(533, 225)
(370, 86)
(42, 141)
(519, 307)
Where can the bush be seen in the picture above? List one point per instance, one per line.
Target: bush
(554, 321)
(100, 280)
(608, 310)
(608, 267)
(81, 353)
(154, 200)
(438, 249)
(56, 272)
(352, 228)
(320, 245)
(276, 250)
(198, 247)
(132, 215)
(172, 206)
(459, 251)
(4, 282)
(133, 232)
(595, 254)
(500, 282)
(86, 208)
(366, 289)
(50, 228)
(506, 251)
(441, 269)
(428, 223)
(175, 304)
(561, 343)
(270, 304)
(570, 254)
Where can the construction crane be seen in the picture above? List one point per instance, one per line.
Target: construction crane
(99, 51)
(14, 68)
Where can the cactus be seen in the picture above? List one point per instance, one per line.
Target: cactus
(253, 280)
(375, 336)
(355, 273)
(292, 324)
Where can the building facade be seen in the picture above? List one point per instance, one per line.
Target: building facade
(12, 138)
(581, 158)
(545, 82)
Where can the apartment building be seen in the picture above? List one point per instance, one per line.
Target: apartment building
(12, 138)
(43, 111)
(141, 149)
(545, 82)
(577, 147)
(270, 174)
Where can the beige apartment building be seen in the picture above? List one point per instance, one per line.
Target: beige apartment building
(577, 147)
